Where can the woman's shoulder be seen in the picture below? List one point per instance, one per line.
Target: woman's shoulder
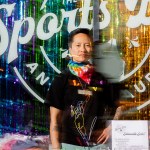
(65, 72)
(99, 76)
(62, 77)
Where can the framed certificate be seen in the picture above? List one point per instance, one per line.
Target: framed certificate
(130, 135)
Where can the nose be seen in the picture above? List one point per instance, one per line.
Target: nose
(83, 48)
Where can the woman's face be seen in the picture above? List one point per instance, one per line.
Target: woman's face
(81, 48)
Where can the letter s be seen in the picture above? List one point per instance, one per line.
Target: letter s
(13, 54)
(4, 38)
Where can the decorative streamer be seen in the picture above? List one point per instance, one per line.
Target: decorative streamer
(18, 108)
(134, 46)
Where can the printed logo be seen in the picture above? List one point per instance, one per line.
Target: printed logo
(120, 128)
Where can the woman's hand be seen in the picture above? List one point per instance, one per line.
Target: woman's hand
(105, 135)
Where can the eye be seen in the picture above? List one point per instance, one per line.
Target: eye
(88, 45)
(78, 45)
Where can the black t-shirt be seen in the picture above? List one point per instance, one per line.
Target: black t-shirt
(85, 107)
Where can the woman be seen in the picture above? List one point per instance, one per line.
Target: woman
(79, 100)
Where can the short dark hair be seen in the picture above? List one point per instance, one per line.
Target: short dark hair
(77, 31)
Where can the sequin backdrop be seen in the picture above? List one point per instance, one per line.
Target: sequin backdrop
(133, 46)
(18, 108)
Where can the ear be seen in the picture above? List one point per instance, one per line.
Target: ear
(70, 50)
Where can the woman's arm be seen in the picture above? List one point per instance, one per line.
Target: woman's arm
(107, 131)
(119, 112)
(55, 127)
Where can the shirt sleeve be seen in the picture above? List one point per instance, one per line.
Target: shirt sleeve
(55, 95)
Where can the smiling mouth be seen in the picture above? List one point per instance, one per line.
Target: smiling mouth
(81, 55)
(84, 55)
